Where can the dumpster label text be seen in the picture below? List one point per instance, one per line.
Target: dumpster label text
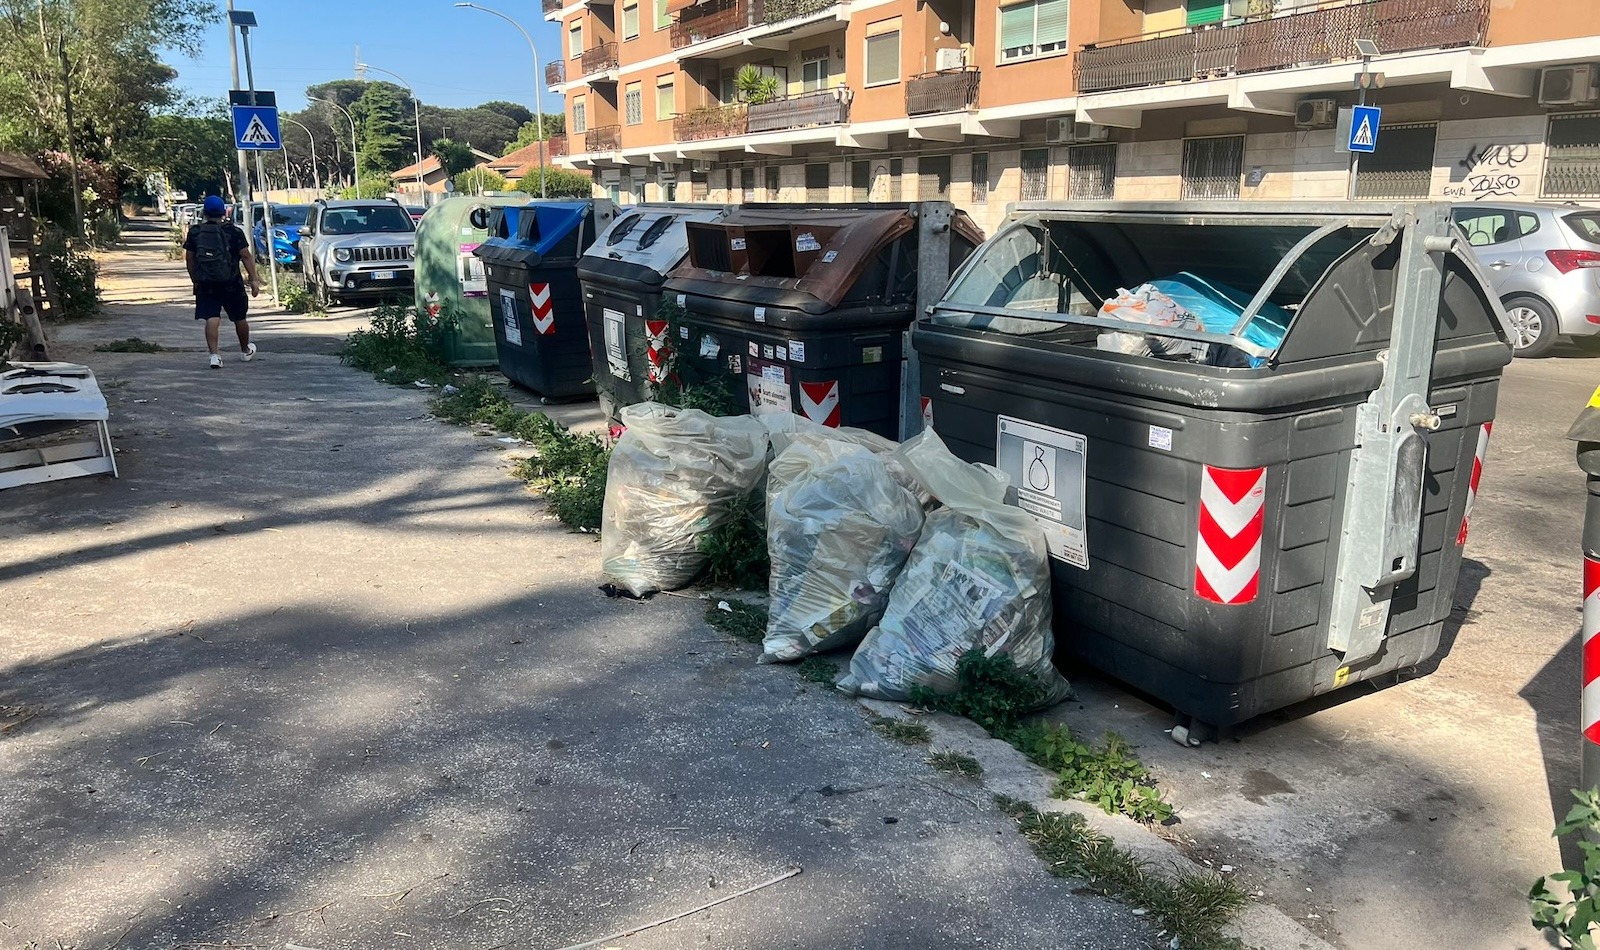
(1049, 468)
(797, 351)
(474, 282)
(769, 387)
(1227, 562)
(508, 316)
(616, 344)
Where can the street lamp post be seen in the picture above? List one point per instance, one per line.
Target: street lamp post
(355, 151)
(316, 173)
(417, 105)
(538, 77)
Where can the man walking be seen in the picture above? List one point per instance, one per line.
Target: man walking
(213, 251)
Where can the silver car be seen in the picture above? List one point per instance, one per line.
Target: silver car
(1543, 260)
(357, 248)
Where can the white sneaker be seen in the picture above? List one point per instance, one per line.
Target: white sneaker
(216, 361)
(249, 354)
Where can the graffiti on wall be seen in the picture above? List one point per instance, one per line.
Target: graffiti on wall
(1491, 171)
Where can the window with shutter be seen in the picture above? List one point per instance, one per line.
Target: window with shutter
(575, 41)
(580, 116)
(897, 168)
(633, 103)
(1212, 167)
(1033, 28)
(860, 181)
(817, 182)
(1201, 12)
(883, 58)
(1402, 167)
(662, 17)
(1572, 160)
(980, 177)
(773, 179)
(1035, 174)
(933, 177)
(747, 184)
(1092, 171)
(666, 104)
(630, 20)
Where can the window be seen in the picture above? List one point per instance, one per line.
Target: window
(860, 181)
(1035, 174)
(747, 184)
(814, 69)
(1092, 171)
(1201, 12)
(633, 103)
(699, 186)
(980, 177)
(897, 168)
(1032, 28)
(1487, 226)
(933, 178)
(630, 20)
(1211, 167)
(580, 115)
(1402, 167)
(1572, 160)
(817, 183)
(773, 179)
(575, 41)
(663, 19)
(666, 104)
(883, 52)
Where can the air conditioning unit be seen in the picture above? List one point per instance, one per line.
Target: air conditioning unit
(1070, 132)
(1089, 132)
(700, 165)
(950, 59)
(1569, 85)
(1058, 131)
(1316, 114)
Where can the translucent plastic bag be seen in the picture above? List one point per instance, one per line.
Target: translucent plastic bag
(785, 429)
(1146, 304)
(838, 532)
(672, 477)
(978, 579)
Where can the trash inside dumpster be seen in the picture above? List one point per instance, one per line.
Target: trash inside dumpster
(803, 308)
(1267, 502)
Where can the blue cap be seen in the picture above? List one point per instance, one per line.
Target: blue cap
(214, 206)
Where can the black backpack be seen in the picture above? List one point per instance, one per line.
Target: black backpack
(214, 262)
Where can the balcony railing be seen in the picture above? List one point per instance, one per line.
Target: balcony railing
(954, 90)
(778, 11)
(555, 146)
(555, 73)
(823, 107)
(552, 6)
(712, 18)
(606, 138)
(710, 122)
(600, 58)
(1308, 38)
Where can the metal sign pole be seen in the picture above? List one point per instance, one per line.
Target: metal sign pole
(266, 205)
(933, 273)
(242, 193)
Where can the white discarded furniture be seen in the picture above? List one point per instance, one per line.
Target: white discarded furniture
(39, 400)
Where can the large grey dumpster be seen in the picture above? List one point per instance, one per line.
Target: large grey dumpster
(1276, 514)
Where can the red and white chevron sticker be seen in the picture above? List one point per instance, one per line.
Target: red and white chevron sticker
(1589, 704)
(820, 402)
(1472, 485)
(927, 413)
(1227, 564)
(656, 349)
(544, 309)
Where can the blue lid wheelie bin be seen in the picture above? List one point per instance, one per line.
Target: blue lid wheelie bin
(1253, 504)
(534, 297)
(621, 274)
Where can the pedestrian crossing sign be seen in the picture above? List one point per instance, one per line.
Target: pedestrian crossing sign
(255, 128)
(1364, 128)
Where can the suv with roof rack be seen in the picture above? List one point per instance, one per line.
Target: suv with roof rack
(357, 248)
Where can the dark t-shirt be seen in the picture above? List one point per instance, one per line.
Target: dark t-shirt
(237, 244)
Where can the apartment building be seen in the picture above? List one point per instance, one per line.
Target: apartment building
(985, 103)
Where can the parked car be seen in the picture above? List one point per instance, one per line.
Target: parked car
(286, 223)
(360, 248)
(416, 212)
(1543, 261)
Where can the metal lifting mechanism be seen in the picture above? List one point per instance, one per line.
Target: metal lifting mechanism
(1383, 500)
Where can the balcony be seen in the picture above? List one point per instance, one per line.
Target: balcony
(555, 73)
(552, 7)
(777, 11)
(713, 18)
(710, 122)
(954, 90)
(555, 146)
(1309, 38)
(823, 107)
(600, 59)
(606, 138)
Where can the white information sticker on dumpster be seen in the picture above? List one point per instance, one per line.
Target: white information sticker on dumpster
(1048, 467)
(508, 316)
(769, 387)
(616, 343)
(474, 281)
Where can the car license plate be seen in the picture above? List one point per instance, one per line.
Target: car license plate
(383, 275)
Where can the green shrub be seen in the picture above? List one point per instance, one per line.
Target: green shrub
(76, 273)
(736, 550)
(991, 691)
(131, 345)
(476, 181)
(293, 294)
(1572, 913)
(473, 399)
(397, 347)
(370, 186)
(747, 622)
(10, 335)
(558, 183)
(1109, 776)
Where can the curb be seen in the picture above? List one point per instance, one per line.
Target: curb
(1007, 772)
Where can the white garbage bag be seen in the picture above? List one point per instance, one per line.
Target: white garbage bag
(1146, 304)
(672, 478)
(978, 579)
(839, 528)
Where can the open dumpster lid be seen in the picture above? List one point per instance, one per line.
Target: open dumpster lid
(808, 258)
(648, 236)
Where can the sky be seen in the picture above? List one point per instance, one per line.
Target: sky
(453, 57)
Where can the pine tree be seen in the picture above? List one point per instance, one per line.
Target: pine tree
(385, 142)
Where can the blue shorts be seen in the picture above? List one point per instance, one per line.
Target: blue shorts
(211, 301)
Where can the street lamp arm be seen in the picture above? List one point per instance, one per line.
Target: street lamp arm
(538, 89)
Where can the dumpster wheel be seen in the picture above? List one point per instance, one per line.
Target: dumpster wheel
(1190, 732)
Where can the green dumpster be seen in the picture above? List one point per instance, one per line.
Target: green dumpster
(450, 281)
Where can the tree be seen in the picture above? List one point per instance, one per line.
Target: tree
(346, 92)
(454, 156)
(554, 124)
(511, 110)
(559, 183)
(194, 151)
(476, 181)
(384, 142)
(755, 86)
(372, 186)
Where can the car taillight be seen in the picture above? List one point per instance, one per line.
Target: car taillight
(1568, 261)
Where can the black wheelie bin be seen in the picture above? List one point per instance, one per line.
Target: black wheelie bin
(803, 308)
(621, 276)
(534, 296)
(1262, 499)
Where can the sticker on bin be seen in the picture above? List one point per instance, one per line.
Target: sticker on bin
(616, 327)
(797, 351)
(709, 347)
(1472, 484)
(1227, 567)
(543, 307)
(1049, 468)
(761, 314)
(820, 402)
(927, 413)
(768, 384)
(683, 299)
(1161, 438)
(755, 348)
(782, 352)
(737, 244)
(830, 257)
(806, 241)
(683, 333)
(508, 317)
(469, 269)
(656, 350)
